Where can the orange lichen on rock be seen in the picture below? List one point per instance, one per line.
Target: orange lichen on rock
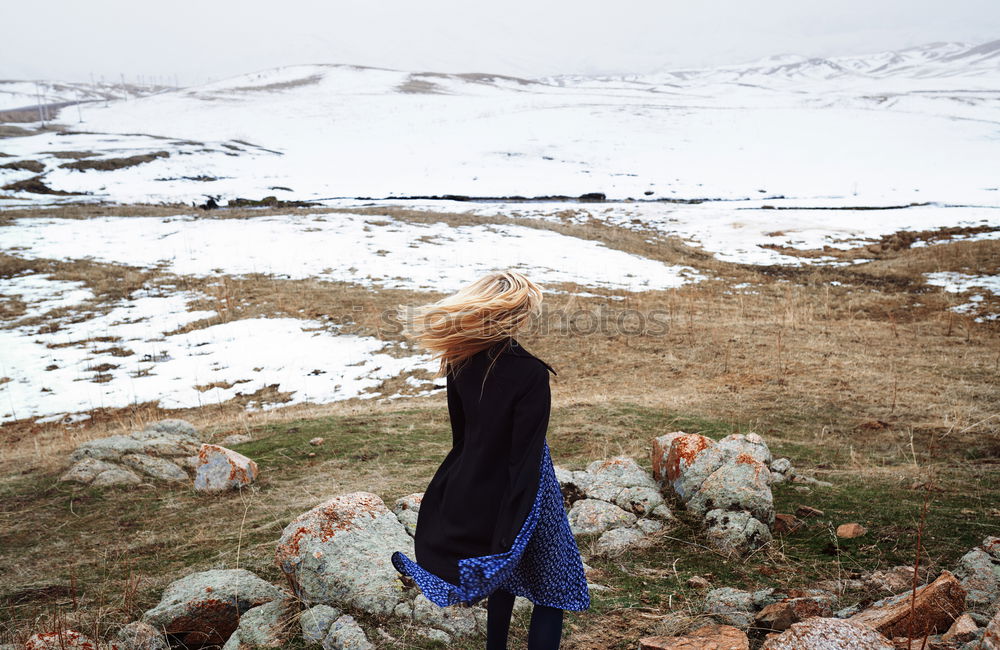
(683, 451)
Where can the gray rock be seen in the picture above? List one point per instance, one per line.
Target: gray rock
(640, 500)
(648, 526)
(339, 553)
(346, 634)
(455, 620)
(316, 622)
(109, 448)
(84, 471)
(204, 607)
(235, 439)
(741, 484)
(662, 512)
(62, 640)
(434, 635)
(730, 606)
(848, 611)
(173, 426)
(750, 444)
(697, 470)
(735, 531)
(818, 633)
(158, 468)
(266, 625)
(608, 477)
(979, 573)
(992, 546)
(116, 476)
(220, 469)
(619, 540)
(140, 636)
(589, 516)
(781, 466)
(407, 509)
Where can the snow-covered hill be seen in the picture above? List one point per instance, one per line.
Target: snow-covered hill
(916, 125)
(26, 95)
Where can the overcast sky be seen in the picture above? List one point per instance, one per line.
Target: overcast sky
(197, 40)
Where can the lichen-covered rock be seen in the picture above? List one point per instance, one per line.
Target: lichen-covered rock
(204, 607)
(116, 476)
(264, 626)
(735, 532)
(434, 635)
(933, 610)
(456, 620)
(782, 614)
(684, 450)
(660, 453)
(406, 510)
(86, 470)
(991, 637)
(781, 466)
(588, 516)
(648, 525)
(172, 426)
(220, 469)
(62, 640)
(235, 439)
(708, 637)
(979, 572)
(108, 448)
(750, 444)
(572, 484)
(730, 606)
(158, 468)
(618, 540)
(316, 622)
(963, 630)
(346, 634)
(740, 484)
(339, 553)
(140, 636)
(828, 634)
(620, 480)
(639, 500)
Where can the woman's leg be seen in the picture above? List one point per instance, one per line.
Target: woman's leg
(499, 606)
(546, 628)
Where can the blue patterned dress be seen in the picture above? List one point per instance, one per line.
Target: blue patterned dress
(542, 565)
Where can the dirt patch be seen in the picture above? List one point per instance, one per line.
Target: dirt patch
(33, 166)
(111, 164)
(34, 185)
(72, 155)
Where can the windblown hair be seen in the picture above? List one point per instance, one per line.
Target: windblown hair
(488, 311)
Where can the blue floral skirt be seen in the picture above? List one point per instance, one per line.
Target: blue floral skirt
(542, 565)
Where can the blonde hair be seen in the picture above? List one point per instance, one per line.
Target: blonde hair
(488, 311)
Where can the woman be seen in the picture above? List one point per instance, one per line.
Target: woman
(491, 523)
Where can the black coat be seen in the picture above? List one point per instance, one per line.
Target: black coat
(482, 493)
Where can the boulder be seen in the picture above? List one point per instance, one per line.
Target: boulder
(619, 540)
(86, 470)
(346, 634)
(684, 450)
(116, 476)
(235, 439)
(991, 637)
(406, 510)
(648, 525)
(979, 572)
(158, 468)
(934, 609)
(741, 484)
(782, 614)
(588, 516)
(622, 481)
(893, 580)
(781, 466)
(220, 469)
(339, 553)
(660, 452)
(265, 626)
(962, 630)
(455, 620)
(730, 606)
(827, 634)
(172, 426)
(735, 532)
(750, 444)
(708, 637)
(140, 636)
(316, 622)
(62, 640)
(572, 484)
(205, 607)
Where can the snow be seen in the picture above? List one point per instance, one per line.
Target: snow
(75, 368)
(373, 251)
(955, 282)
(42, 293)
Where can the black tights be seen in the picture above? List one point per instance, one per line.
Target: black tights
(546, 623)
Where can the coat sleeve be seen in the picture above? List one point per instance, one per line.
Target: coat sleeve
(456, 414)
(529, 424)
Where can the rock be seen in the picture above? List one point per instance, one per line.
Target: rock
(618, 540)
(204, 607)
(642, 501)
(751, 444)
(173, 426)
(735, 532)
(936, 606)
(808, 511)
(221, 469)
(609, 479)
(158, 468)
(457, 621)
(991, 637)
(434, 635)
(116, 476)
(709, 637)
(660, 453)
(851, 530)
(109, 448)
(782, 614)
(827, 634)
(572, 484)
(589, 516)
(62, 640)
(781, 466)
(316, 622)
(84, 471)
(799, 478)
(346, 634)
(648, 526)
(893, 580)
(684, 451)
(168, 441)
(979, 573)
(786, 524)
(406, 510)
(235, 439)
(266, 625)
(962, 630)
(730, 606)
(339, 553)
(316, 442)
(140, 636)
(698, 582)
(738, 485)
(662, 512)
